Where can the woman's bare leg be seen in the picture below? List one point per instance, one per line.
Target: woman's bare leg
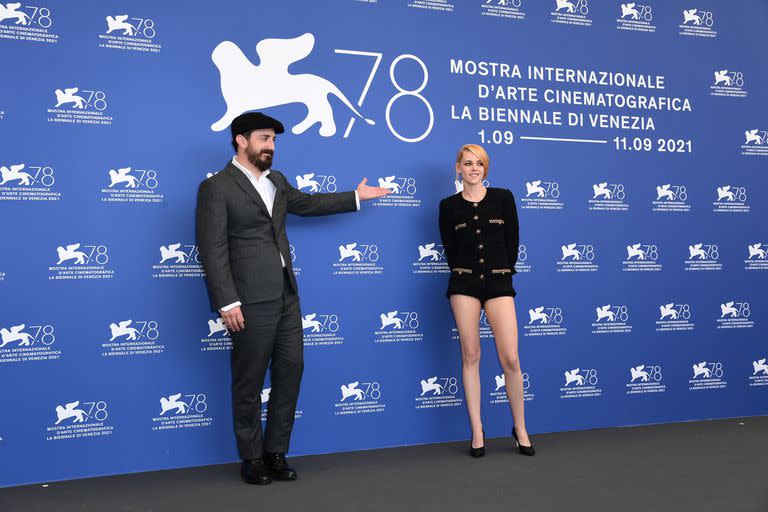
(503, 319)
(466, 312)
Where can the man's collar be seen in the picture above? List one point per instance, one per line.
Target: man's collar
(246, 171)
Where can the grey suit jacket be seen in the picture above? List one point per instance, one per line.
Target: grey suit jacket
(240, 243)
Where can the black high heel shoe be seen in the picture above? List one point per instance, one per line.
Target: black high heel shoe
(477, 452)
(525, 450)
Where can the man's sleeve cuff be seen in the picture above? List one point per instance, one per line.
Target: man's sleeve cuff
(230, 306)
(357, 200)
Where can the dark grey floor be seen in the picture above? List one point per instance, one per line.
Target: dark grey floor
(703, 466)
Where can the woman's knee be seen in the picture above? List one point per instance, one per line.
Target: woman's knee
(510, 363)
(470, 356)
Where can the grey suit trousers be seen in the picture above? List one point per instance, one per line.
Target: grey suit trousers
(272, 332)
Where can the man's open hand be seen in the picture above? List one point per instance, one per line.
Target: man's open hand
(365, 192)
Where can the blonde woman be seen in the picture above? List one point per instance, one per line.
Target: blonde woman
(480, 234)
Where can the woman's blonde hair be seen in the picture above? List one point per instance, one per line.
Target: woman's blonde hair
(479, 152)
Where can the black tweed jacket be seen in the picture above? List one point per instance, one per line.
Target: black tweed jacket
(481, 239)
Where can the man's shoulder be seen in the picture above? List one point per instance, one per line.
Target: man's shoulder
(215, 179)
(216, 184)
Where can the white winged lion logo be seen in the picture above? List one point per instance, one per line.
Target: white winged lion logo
(247, 87)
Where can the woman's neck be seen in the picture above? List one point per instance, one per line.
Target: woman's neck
(474, 192)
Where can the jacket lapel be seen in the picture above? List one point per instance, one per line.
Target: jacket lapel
(281, 205)
(247, 187)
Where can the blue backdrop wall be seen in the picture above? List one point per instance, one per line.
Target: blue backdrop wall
(633, 136)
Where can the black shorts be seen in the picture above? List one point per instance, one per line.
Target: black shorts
(481, 289)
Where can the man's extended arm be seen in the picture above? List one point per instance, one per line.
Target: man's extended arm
(301, 203)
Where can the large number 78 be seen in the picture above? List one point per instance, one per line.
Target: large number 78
(401, 92)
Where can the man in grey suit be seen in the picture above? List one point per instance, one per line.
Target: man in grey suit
(240, 225)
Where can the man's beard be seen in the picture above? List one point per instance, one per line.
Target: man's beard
(262, 160)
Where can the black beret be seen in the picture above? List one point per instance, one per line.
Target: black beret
(254, 121)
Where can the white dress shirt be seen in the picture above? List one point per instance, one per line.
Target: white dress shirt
(267, 191)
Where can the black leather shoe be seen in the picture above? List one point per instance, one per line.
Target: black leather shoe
(278, 467)
(477, 452)
(255, 472)
(524, 450)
